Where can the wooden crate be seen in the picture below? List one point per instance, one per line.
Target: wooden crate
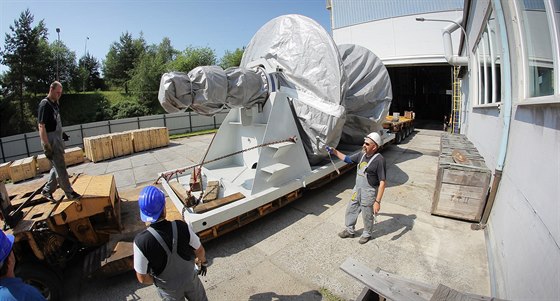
(23, 169)
(122, 144)
(140, 140)
(461, 189)
(73, 156)
(43, 164)
(5, 171)
(98, 148)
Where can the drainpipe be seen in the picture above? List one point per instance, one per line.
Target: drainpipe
(506, 69)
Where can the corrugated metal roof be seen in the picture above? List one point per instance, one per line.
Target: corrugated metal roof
(351, 12)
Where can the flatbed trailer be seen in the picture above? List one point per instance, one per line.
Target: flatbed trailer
(400, 126)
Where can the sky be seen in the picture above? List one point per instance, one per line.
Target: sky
(222, 25)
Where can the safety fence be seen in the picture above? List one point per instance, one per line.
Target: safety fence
(29, 144)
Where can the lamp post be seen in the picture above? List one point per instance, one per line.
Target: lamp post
(86, 75)
(449, 21)
(57, 52)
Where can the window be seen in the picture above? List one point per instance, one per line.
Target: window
(538, 29)
(488, 56)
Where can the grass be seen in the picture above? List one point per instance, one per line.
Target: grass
(328, 295)
(177, 136)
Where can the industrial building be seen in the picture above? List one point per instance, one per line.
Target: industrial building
(505, 56)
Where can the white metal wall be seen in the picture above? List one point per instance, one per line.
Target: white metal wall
(524, 226)
(402, 40)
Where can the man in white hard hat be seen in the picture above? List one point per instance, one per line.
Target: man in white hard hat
(369, 187)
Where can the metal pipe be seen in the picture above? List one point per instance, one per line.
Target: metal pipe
(448, 43)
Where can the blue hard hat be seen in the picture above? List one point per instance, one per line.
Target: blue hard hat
(151, 203)
(6, 244)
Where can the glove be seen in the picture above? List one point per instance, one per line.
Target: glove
(48, 151)
(203, 269)
(329, 149)
(65, 137)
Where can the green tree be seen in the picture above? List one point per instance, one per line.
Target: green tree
(146, 76)
(232, 59)
(193, 57)
(89, 77)
(27, 55)
(121, 59)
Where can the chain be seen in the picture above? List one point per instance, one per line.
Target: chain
(167, 176)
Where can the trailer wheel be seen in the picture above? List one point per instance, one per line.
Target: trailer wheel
(41, 277)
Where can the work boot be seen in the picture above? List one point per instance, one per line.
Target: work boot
(74, 196)
(345, 234)
(363, 240)
(47, 195)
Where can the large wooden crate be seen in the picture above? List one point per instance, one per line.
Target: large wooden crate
(23, 169)
(140, 140)
(122, 144)
(73, 156)
(461, 187)
(98, 148)
(43, 164)
(5, 171)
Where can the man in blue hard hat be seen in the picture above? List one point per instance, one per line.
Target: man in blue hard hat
(165, 253)
(12, 288)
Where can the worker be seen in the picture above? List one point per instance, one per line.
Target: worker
(50, 133)
(11, 287)
(369, 187)
(165, 253)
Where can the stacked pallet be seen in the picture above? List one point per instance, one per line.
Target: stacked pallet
(23, 169)
(462, 180)
(98, 148)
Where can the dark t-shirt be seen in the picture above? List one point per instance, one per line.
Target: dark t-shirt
(375, 171)
(154, 252)
(47, 114)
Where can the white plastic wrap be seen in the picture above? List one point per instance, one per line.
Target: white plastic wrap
(209, 89)
(368, 96)
(310, 64)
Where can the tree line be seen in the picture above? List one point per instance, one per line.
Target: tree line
(131, 67)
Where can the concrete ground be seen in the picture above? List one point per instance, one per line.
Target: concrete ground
(295, 253)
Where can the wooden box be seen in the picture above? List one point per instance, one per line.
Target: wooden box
(73, 156)
(43, 164)
(23, 169)
(98, 148)
(461, 190)
(5, 171)
(140, 140)
(122, 144)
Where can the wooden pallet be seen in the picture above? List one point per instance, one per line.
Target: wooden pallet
(23, 169)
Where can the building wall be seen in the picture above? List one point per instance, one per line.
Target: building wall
(524, 225)
(402, 40)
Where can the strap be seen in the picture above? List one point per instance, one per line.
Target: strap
(174, 227)
(370, 160)
(160, 240)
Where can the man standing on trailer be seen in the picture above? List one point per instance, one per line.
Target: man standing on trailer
(369, 187)
(50, 132)
(164, 254)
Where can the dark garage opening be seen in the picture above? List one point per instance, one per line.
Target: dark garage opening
(426, 90)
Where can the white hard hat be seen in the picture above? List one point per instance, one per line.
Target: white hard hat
(375, 137)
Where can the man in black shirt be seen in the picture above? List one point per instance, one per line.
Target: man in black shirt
(369, 187)
(50, 132)
(165, 253)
